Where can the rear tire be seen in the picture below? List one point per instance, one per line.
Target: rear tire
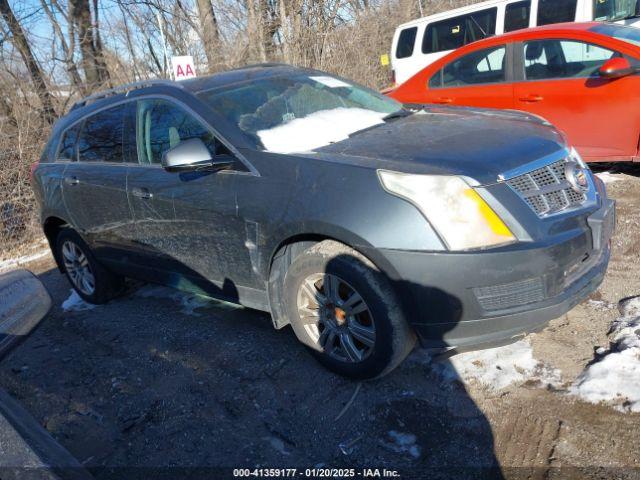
(343, 308)
(93, 282)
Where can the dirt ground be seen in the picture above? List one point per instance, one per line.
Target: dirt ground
(144, 383)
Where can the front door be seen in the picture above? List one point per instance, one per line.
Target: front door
(94, 185)
(187, 228)
(562, 85)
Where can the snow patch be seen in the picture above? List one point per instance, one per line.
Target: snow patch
(497, 368)
(615, 378)
(11, 263)
(608, 177)
(75, 303)
(318, 129)
(403, 443)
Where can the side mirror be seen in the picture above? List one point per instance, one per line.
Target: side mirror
(191, 155)
(616, 68)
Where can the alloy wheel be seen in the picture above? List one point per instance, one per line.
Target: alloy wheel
(78, 268)
(336, 317)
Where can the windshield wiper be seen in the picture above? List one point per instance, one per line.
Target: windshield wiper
(402, 113)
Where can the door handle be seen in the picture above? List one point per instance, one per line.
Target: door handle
(71, 180)
(443, 100)
(141, 192)
(533, 98)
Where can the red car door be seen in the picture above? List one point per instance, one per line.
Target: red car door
(478, 79)
(563, 86)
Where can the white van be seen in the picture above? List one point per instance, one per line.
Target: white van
(418, 43)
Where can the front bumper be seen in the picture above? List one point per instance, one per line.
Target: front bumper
(475, 298)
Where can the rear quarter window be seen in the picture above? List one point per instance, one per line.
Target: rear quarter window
(67, 147)
(406, 42)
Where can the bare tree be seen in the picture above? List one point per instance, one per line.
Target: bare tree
(93, 63)
(37, 77)
(210, 33)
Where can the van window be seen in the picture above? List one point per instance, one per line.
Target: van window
(67, 149)
(162, 125)
(516, 16)
(406, 42)
(455, 32)
(613, 10)
(546, 59)
(482, 66)
(556, 11)
(101, 136)
(626, 34)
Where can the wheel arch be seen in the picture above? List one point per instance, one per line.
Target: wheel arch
(288, 249)
(52, 226)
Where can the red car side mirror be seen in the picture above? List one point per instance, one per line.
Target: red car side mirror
(616, 67)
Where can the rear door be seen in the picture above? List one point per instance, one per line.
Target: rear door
(187, 227)
(561, 84)
(481, 78)
(94, 184)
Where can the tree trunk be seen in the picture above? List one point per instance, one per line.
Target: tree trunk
(210, 33)
(70, 65)
(95, 71)
(37, 76)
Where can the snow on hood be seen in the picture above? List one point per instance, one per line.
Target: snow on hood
(318, 129)
(615, 378)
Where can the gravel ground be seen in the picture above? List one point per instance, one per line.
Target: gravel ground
(156, 379)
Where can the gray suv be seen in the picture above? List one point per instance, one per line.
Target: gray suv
(362, 223)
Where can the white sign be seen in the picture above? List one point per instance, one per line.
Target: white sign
(183, 67)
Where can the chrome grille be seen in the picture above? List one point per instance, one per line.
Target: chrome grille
(547, 190)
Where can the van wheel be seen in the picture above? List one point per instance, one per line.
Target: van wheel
(343, 308)
(94, 283)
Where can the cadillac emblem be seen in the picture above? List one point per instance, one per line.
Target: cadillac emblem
(576, 175)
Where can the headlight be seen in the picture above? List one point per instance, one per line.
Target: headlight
(575, 156)
(461, 217)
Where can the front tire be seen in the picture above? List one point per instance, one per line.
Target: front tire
(94, 283)
(343, 308)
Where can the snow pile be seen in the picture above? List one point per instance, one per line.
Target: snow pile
(615, 377)
(497, 368)
(318, 129)
(189, 302)
(608, 177)
(75, 303)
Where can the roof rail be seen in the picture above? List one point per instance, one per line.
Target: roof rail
(264, 65)
(124, 89)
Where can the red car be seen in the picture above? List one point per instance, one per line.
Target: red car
(582, 77)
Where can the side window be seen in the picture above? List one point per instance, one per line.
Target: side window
(483, 66)
(556, 11)
(406, 41)
(161, 125)
(546, 59)
(67, 148)
(101, 136)
(516, 16)
(458, 31)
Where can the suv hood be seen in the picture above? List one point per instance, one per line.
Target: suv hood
(480, 144)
